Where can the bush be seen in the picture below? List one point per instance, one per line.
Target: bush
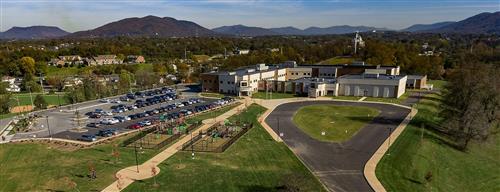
(40, 102)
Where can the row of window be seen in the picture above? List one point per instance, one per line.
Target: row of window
(326, 74)
(302, 73)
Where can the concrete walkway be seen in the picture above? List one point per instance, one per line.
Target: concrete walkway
(128, 175)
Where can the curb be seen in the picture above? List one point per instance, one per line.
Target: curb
(371, 165)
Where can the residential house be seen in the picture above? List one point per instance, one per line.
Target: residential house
(107, 60)
(12, 86)
(135, 59)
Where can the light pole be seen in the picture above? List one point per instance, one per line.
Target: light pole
(31, 98)
(48, 126)
(136, 159)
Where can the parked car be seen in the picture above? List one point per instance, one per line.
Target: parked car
(95, 125)
(104, 133)
(122, 118)
(115, 101)
(112, 130)
(95, 116)
(109, 121)
(134, 126)
(88, 137)
(104, 100)
(131, 96)
(124, 98)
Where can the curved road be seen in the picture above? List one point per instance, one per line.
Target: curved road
(338, 165)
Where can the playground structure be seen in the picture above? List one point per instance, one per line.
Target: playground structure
(218, 137)
(159, 135)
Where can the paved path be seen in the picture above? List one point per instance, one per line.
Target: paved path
(128, 175)
(339, 166)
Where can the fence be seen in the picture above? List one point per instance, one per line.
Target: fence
(196, 145)
(142, 140)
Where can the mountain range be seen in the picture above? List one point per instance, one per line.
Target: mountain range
(153, 26)
(33, 32)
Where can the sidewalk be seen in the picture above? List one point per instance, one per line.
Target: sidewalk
(128, 175)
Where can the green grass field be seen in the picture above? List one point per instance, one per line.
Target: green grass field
(411, 159)
(351, 98)
(63, 71)
(24, 99)
(210, 114)
(274, 95)
(339, 123)
(253, 163)
(438, 84)
(337, 60)
(40, 167)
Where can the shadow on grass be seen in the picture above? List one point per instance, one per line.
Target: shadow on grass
(253, 188)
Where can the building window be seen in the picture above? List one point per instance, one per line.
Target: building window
(221, 82)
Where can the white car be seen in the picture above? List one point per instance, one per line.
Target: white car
(115, 101)
(109, 121)
(104, 100)
(107, 113)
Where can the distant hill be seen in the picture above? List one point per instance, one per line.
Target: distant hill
(481, 23)
(288, 30)
(342, 29)
(147, 26)
(242, 30)
(33, 32)
(425, 27)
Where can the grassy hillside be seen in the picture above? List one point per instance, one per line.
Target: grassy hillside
(432, 164)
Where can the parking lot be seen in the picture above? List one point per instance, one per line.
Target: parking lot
(62, 122)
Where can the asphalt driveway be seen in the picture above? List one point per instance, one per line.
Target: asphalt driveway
(338, 165)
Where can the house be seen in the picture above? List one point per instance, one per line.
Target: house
(135, 59)
(107, 60)
(66, 60)
(241, 51)
(72, 81)
(12, 87)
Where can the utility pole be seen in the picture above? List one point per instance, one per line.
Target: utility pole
(136, 160)
(48, 127)
(31, 98)
(41, 82)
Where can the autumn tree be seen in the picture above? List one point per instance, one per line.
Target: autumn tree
(27, 65)
(471, 102)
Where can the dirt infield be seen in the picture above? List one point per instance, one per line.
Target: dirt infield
(20, 109)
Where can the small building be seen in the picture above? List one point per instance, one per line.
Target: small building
(12, 87)
(416, 82)
(241, 51)
(372, 85)
(135, 59)
(107, 60)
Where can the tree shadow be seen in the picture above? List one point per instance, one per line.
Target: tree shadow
(254, 188)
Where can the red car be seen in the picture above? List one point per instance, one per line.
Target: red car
(134, 126)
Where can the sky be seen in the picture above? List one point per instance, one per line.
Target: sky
(76, 15)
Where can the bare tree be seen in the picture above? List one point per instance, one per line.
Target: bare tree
(471, 102)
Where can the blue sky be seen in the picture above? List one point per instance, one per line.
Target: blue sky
(75, 15)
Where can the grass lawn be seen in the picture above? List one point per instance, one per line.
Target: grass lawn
(210, 114)
(253, 163)
(412, 158)
(438, 84)
(63, 71)
(352, 98)
(215, 95)
(24, 99)
(339, 123)
(38, 167)
(274, 95)
(337, 60)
